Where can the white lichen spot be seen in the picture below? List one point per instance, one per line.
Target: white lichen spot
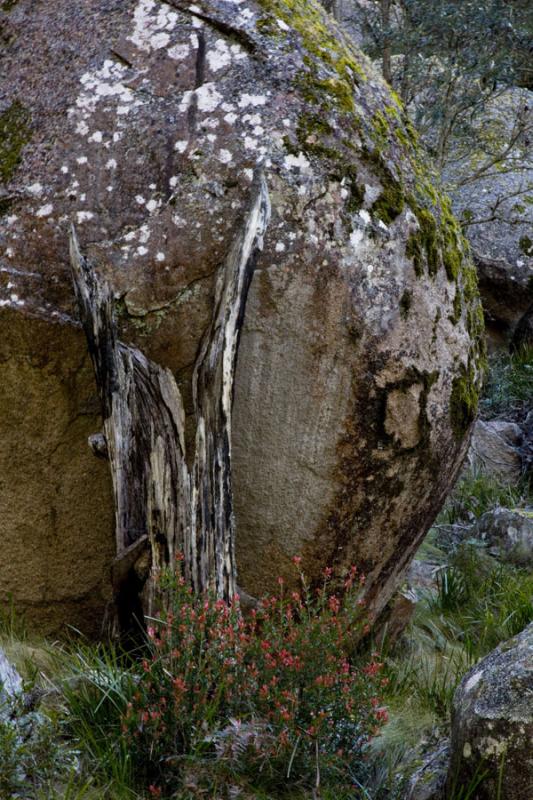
(44, 211)
(64, 169)
(211, 137)
(111, 164)
(249, 143)
(249, 174)
(467, 750)
(473, 681)
(365, 216)
(246, 100)
(97, 137)
(159, 40)
(178, 52)
(207, 97)
(144, 234)
(224, 156)
(174, 181)
(220, 57)
(160, 256)
(181, 146)
(356, 237)
(84, 216)
(230, 117)
(35, 189)
(140, 199)
(10, 220)
(82, 128)
(141, 251)
(238, 52)
(280, 247)
(300, 161)
(152, 206)
(82, 160)
(493, 747)
(150, 21)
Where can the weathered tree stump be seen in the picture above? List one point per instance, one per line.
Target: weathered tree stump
(161, 505)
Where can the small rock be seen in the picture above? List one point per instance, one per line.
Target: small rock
(494, 449)
(10, 680)
(429, 781)
(508, 535)
(422, 575)
(10, 686)
(492, 723)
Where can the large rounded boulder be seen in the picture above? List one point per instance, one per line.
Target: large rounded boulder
(359, 366)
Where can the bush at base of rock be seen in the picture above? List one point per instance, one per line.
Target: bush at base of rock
(275, 698)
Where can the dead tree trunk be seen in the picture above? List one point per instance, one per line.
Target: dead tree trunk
(160, 506)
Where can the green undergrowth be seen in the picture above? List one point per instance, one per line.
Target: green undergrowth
(213, 706)
(477, 604)
(475, 493)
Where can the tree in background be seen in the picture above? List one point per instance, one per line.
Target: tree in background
(463, 70)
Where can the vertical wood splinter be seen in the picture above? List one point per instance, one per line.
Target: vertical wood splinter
(158, 500)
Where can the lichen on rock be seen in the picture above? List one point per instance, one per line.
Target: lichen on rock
(363, 304)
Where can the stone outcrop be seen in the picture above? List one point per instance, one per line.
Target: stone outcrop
(499, 207)
(492, 725)
(507, 534)
(358, 370)
(495, 449)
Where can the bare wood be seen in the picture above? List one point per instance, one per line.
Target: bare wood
(156, 498)
(212, 545)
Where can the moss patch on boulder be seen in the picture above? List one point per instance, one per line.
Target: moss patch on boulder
(14, 134)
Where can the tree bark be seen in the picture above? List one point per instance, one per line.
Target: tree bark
(160, 504)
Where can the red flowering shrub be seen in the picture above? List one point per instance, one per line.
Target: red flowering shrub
(276, 695)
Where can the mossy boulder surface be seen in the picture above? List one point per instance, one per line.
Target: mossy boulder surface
(360, 356)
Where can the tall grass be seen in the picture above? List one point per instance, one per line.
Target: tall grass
(475, 493)
(478, 603)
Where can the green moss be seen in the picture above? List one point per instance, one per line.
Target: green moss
(7, 5)
(428, 232)
(406, 301)
(356, 195)
(413, 250)
(14, 134)
(526, 245)
(463, 400)
(380, 129)
(452, 263)
(390, 203)
(457, 307)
